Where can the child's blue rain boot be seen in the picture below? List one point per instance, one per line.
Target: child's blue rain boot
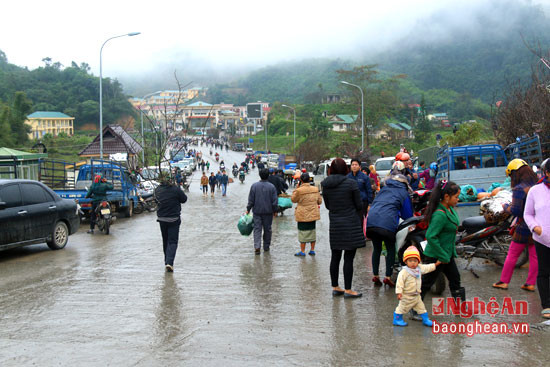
(398, 320)
(426, 320)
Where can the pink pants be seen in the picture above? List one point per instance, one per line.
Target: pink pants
(513, 254)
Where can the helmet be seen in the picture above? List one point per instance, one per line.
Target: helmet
(433, 166)
(303, 170)
(545, 165)
(405, 157)
(398, 156)
(398, 165)
(515, 164)
(97, 178)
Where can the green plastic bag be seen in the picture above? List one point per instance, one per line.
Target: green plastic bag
(467, 193)
(246, 224)
(284, 203)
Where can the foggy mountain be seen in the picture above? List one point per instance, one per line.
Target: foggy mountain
(473, 50)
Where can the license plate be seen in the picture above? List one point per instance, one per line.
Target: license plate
(105, 211)
(423, 244)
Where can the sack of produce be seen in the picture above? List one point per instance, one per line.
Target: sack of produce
(246, 224)
(284, 203)
(492, 208)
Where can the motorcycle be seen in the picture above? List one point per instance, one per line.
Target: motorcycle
(146, 202)
(241, 176)
(235, 172)
(477, 238)
(104, 219)
(222, 167)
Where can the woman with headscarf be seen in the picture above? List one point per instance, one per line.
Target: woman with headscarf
(392, 202)
(343, 200)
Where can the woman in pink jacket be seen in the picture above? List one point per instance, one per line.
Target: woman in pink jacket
(537, 207)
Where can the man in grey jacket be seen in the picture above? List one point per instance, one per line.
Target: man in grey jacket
(262, 199)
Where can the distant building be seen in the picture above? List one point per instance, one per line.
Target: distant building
(115, 141)
(438, 116)
(332, 98)
(49, 122)
(342, 122)
(399, 130)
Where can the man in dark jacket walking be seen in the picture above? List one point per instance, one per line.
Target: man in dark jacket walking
(363, 183)
(98, 193)
(262, 199)
(170, 198)
(278, 182)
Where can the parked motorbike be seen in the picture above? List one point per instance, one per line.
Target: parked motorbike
(477, 238)
(146, 202)
(104, 217)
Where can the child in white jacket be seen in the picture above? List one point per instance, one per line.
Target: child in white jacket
(408, 286)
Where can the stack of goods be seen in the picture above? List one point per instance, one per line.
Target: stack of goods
(492, 208)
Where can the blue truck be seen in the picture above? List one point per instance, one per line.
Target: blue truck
(482, 165)
(72, 181)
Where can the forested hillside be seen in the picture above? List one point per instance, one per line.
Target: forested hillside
(474, 57)
(71, 90)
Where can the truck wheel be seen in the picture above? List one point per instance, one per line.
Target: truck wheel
(60, 236)
(129, 210)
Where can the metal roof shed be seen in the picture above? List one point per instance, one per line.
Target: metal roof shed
(19, 164)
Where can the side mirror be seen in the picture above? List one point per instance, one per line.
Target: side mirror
(2, 205)
(86, 188)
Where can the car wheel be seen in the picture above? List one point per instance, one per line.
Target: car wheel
(60, 236)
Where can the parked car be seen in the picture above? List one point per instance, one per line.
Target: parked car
(31, 213)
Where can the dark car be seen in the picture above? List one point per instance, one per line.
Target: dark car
(30, 213)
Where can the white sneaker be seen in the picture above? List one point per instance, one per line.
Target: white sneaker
(169, 268)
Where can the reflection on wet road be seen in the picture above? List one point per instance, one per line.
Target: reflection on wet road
(106, 300)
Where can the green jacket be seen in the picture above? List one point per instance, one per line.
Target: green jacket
(441, 234)
(98, 191)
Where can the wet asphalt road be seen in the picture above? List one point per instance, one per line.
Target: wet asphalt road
(106, 300)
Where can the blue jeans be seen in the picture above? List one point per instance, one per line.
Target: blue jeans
(170, 234)
(262, 221)
(224, 189)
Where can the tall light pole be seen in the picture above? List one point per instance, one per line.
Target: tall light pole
(362, 115)
(293, 110)
(101, 89)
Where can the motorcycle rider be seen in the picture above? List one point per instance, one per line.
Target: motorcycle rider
(241, 173)
(98, 193)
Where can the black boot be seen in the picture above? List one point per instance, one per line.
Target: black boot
(459, 293)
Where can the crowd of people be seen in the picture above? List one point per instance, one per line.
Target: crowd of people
(359, 209)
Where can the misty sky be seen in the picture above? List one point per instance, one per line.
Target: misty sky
(219, 34)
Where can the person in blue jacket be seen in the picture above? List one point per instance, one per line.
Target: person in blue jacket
(363, 182)
(391, 203)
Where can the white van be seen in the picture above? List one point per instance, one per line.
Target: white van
(383, 167)
(321, 172)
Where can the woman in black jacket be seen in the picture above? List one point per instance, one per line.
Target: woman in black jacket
(343, 200)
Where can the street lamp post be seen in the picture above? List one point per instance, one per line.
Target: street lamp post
(362, 115)
(101, 89)
(293, 110)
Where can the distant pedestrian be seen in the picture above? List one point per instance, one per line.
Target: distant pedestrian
(262, 200)
(218, 179)
(204, 184)
(537, 207)
(170, 198)
(208, 166)
(363, 183)
(343, 200)
(212, 181)
(224, 180)
(307, 213)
